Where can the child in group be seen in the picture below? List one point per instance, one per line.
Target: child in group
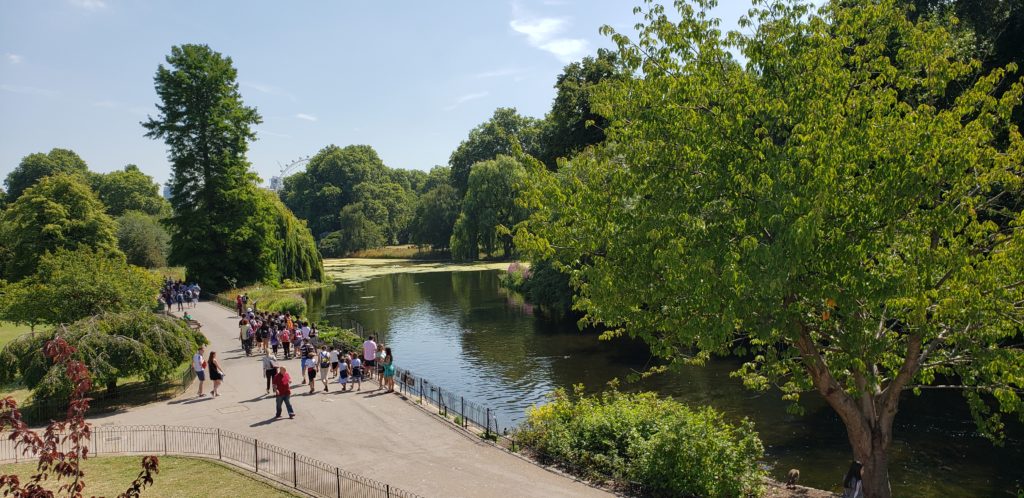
(378, 365)
(285, 337)
(357, 372)
(344, 372)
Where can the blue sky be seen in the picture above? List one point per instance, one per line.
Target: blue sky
(408, 78)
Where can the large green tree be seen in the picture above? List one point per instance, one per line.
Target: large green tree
(435, 215)
(489, 209)
(129, 190)
(59, 212)
(572, 124)
(329, 183)
(143, 239)
(72, 284)
(112, 345)
(506, 132)
(35, 167)
(813, 209)
(296, 254)
(224, 230)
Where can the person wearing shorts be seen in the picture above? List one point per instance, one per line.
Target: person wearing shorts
(344, 372)
(199, 365)
(325, 366)
(310, 368)
(369, 355)
(357, 372)
(334, 361)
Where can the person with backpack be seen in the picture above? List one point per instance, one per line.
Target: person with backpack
(344, 372)
(357, 371)
(245, 336)
(325, 365)
(285, 337)
(269, 369)
(309, 365)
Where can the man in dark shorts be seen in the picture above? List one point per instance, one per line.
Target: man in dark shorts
(369, 355)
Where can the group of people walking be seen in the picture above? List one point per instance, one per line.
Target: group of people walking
(264, 332)
(280, 337)
(179, 293)
(347, 368)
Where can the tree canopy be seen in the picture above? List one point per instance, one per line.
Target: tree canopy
(58, 212)
(129, 190)
(143, 240)
(112, 345)
(821, 209)
(489, 209)
(224, 229)
(72, 284)
(506, 131)
(35, 167)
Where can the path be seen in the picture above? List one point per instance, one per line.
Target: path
(376, 435)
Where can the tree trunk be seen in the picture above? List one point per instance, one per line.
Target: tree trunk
(873, 452)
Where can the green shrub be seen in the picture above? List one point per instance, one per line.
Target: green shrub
(664, 445)
(343, 339)
(295, 305)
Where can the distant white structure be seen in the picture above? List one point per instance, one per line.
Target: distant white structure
(167, 192)
(277, 182)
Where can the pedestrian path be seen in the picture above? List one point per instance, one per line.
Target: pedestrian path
(377, 435)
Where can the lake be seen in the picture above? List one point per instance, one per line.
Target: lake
(460, 330)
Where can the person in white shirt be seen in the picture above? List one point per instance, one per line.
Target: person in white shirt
(369, 355)
(199, 365)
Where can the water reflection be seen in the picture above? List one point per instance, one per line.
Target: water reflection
(463, 332)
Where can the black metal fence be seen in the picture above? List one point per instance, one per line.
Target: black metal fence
(103, 401)
(289, 468)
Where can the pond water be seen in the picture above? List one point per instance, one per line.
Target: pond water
(460, 330)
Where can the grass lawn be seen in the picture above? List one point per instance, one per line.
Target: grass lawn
(8, 331)
(178, 478)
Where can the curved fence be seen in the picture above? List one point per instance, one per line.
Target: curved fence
(289, 468)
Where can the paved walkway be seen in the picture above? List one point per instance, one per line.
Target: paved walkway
(373, 434)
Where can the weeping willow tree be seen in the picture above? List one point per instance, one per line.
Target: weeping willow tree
(112, 345)
(297, 255)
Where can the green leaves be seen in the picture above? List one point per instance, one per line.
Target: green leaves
(71, 285)
(827, 204)
(59, 212)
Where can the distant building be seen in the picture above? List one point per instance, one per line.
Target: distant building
(167, 192)
(276, 182)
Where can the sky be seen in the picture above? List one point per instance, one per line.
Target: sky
(408, 78)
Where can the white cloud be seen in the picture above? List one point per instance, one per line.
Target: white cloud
(15, 58)
(543, 33)
(89, 4)
(268, 89)
(29, 90)
(306, 117)
(466, 98)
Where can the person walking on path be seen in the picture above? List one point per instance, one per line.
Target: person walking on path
(325, 366)
(334, 361)
(285, 336)
(369, 355)
(357, 371)
(269, 369)
(216, 373)
(389, 371)
(283, 392)
(344, 372)
(238, 304)
(199, 366)
(309, 366)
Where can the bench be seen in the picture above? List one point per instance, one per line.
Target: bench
(195, 325)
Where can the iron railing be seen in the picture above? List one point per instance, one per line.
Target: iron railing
(287, 467)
